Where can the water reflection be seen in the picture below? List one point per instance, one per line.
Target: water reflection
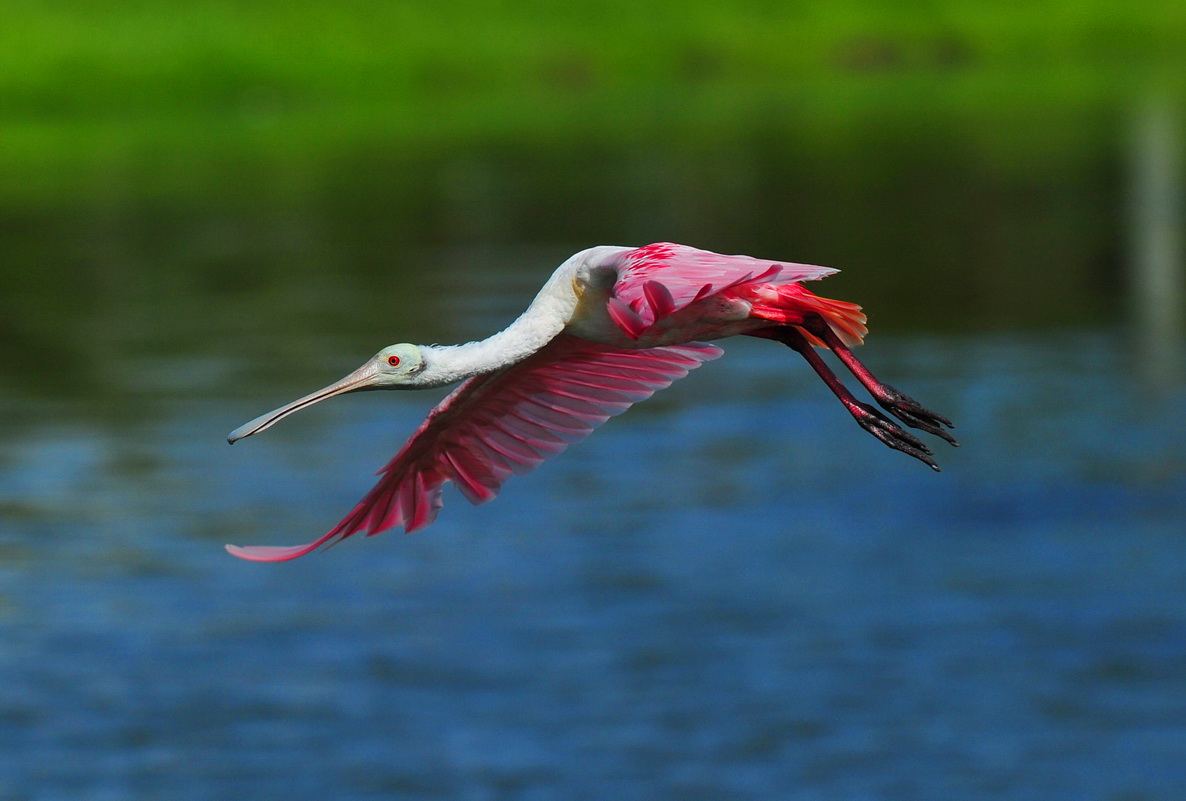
(1158, 270)
(931, 232)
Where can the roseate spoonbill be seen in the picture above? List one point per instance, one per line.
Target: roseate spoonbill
(612, 326)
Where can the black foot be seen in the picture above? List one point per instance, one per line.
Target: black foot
(913, 413)
(892, 434)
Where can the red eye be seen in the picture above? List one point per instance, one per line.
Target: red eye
(393, 361)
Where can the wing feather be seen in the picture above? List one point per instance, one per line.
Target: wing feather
(498, 424)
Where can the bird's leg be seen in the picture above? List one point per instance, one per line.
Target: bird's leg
(894, 401)
(866, 416)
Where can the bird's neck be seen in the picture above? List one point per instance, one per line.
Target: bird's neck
(547, 316)
(448, 364)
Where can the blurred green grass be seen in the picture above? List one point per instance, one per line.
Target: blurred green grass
(165, 100)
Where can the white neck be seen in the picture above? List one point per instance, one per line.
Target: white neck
(448, 364)
(547, 316)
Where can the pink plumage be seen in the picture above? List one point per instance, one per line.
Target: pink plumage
(659, 280)
(497, 424)
(612, 327)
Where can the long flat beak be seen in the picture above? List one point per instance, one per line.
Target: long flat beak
(362, 378)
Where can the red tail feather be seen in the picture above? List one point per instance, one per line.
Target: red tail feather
(789, 304)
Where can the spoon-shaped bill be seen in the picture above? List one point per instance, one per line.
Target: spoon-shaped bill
(362, 378)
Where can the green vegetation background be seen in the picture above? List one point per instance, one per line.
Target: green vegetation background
(179, 98)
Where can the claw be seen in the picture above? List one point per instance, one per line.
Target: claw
(892, 434)
(913, 413)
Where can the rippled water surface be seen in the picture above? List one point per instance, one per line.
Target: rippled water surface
(728, 592)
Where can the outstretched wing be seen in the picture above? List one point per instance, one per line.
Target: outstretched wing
(501, 423)
(660, 279)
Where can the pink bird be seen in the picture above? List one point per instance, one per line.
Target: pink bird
(612, 326)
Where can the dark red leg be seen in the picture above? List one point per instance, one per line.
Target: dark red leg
(894, 401)
(866, 416)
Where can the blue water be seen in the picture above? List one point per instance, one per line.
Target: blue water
(730, 592)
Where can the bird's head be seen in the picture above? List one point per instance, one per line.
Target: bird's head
(394, 367)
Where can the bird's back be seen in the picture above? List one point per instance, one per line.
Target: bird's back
(664, 294)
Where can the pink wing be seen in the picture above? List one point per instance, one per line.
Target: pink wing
(501, 423)
(659, 279)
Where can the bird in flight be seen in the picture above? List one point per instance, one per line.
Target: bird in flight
(612, 326)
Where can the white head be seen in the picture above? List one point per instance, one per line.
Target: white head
(400, 366)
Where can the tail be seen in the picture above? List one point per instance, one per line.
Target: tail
(792, 303)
